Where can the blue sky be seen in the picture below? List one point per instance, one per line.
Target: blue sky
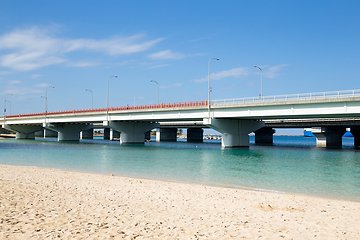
(302, 46)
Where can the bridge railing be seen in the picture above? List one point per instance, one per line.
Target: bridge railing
(319, 120)
(291, 97)
(123, 108)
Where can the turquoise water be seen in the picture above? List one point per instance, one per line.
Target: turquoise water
(292, 164)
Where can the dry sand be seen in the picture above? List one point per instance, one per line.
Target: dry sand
(38, 203)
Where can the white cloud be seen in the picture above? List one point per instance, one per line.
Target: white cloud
(82, 64)
(34, 76)
(123, 63)
(158, 66)
(234, 73)
(43, 85)
(14, 82)
(167, 55)
(34, 47)
(173, 85)
(273, 72)
(22, 91)
(5, 72)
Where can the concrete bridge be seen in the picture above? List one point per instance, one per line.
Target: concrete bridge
(234, 118)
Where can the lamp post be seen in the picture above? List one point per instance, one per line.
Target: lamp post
(209, 89)
(157, 90)
(10, 105)
(10, 94)
(92, 98)
(107, 98)
(46, 105)
(261, 93)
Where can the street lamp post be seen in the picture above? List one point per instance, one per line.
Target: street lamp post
(157, 90)
(107, 98)
(46, 104)
(92, 98)
(209, 89)
(261, 93)
(10, 105)
(10, 94)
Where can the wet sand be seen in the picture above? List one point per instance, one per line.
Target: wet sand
(37, 203)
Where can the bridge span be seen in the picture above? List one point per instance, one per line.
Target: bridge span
(234, 118)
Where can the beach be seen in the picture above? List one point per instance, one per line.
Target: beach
(38, 203)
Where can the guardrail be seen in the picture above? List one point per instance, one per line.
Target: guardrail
(111, 109)
(291, 97)
(234, 101)
(317, 120)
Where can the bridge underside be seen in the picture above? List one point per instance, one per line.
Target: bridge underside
(235, 132)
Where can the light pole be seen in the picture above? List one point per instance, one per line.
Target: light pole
(261, 93)
(157, 90)
(46, 105)
(10, 105)
(10, 94)
(209, 89)
(107, 98)
(92, 98)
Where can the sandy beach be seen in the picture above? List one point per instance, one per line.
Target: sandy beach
(38, 203)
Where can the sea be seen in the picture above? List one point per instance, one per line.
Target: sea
(292, 164)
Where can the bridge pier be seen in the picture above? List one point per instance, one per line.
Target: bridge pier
(355, 131)
(264, 135)
(235, 132)
(166, 134)
(195, 135)
(50, 133)
(24, 131)
(87, 134)
(132, 132)
(68, 131)
(328, 136)
(106, 133)
(114, 134)
(148, 136)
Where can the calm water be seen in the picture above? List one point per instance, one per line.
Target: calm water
(292, 164)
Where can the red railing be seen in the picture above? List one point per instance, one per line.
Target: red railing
(124, 108)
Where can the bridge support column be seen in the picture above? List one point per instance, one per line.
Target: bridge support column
(132, 132)
(68, 131)
(264, 135)
(114, 134)
(106, 133)
(166, 134)
(24, 131)
(328, 136)
(195, 134)
(148, 136)
(355, 131)
(87, 134)
(50, 133)
(235, 132)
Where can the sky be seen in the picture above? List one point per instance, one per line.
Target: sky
(301, 46)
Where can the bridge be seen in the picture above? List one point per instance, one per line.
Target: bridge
(234, 118)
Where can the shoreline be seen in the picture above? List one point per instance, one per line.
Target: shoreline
(50, 203)
(215, 185)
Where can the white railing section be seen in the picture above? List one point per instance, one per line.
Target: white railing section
(291, 97)
(312, 120)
